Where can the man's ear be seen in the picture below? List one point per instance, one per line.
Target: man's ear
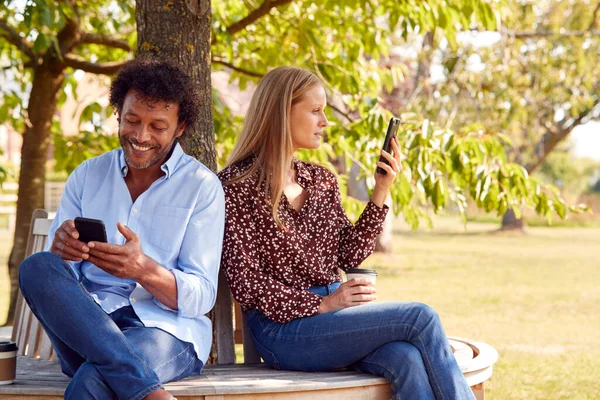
(180, 130)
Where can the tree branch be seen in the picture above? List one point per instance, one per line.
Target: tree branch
(594, 16)
(339, 111)
(13, 37)
(109, 68)
(553, 137)
(255, 15)
(236, 69)
(105, 41)
(537, 34)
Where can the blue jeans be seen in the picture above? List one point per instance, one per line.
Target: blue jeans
(108, 356)
(403, 342)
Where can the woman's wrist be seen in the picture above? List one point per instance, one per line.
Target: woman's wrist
(323, 307)
(379, 195)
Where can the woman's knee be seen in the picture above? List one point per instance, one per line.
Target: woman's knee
(426, 312)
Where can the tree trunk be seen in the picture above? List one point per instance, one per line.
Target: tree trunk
(510, 222)
(47, 81)
(180, 31)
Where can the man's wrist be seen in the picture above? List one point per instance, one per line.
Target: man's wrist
(148, 270)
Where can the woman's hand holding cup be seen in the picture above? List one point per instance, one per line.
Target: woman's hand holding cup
(354, 292)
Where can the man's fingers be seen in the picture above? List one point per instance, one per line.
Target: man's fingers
(69, 227)
(68, 253)
(107, 257)
(69, 241)
(104, 265)
(125, 231)
(107, 247)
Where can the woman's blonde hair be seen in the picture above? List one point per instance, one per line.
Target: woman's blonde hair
(267, 134)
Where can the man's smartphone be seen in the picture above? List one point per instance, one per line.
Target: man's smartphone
(387, 143)
(90, 230)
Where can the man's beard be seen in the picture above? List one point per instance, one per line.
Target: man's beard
(156, 158)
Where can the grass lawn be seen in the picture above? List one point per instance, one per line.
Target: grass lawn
(535, 298)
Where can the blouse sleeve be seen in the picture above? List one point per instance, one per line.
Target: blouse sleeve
(250, 285)
(357, 241)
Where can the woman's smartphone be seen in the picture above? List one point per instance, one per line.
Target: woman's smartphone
(387, 143)
(90, 230)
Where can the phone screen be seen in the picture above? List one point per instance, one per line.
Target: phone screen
(387, 143)
(90, 230)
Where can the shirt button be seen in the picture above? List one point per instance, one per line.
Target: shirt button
(135, 210)
(133, 299)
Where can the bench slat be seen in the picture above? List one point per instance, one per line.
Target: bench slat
(224, 322)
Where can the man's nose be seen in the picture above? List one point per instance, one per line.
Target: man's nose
(143, 134)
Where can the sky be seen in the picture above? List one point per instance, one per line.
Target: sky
(586, 140)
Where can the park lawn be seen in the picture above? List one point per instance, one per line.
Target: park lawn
(535, 298)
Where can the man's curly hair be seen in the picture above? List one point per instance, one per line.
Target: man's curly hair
(157, 80)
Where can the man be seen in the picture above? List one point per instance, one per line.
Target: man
(128, 315)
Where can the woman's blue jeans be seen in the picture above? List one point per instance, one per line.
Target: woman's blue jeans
(108, 356)
(403, 342)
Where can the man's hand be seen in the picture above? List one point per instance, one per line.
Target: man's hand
(126, 261)
(65, 243)
(352, 293)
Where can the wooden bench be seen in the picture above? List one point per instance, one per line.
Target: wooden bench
(39, 376)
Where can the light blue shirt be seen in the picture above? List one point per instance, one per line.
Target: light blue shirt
(179, 219)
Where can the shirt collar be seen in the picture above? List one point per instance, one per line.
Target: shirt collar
(303, 172)
(168, 167)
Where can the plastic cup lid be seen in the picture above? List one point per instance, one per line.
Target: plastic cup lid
(8, 346)
(361, 271)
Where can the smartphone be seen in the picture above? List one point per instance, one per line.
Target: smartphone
(90, 230)
(387, 143)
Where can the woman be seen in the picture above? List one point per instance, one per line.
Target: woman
(286, 236)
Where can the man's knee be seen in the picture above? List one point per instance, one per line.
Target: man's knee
(37, 268)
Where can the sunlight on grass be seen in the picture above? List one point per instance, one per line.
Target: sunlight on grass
(535, 298)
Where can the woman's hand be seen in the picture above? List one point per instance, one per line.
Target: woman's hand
(352, 293)
(383, 183)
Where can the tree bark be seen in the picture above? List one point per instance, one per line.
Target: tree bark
(47, 81)
(180, 32)
(510, 222)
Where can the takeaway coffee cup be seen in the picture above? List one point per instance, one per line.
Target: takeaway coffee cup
(369, 274)
(8, 362)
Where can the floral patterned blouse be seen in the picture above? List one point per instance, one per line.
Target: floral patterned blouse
(270, 269)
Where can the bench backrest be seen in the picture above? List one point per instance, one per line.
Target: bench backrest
(33, 341)
(27, 331)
